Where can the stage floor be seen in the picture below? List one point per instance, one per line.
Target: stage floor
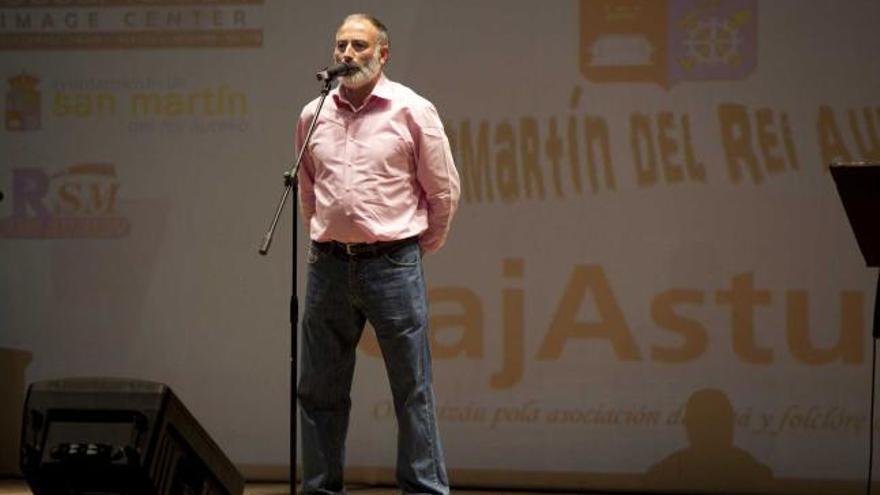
(19, 487)
(283, 489)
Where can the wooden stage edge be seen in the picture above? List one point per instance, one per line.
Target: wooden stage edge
(270, 480)
(524, 482)
(19, 487)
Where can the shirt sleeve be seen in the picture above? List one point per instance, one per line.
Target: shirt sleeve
(438, 178)
(306, 174)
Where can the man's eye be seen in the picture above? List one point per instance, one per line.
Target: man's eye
(359, 46)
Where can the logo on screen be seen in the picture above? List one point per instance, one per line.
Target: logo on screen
(667, 41)
(130, 24)
(78, 202)
(23, 102)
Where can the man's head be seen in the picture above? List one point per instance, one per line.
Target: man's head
(363, 40)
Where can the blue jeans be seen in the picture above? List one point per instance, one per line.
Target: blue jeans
(342, 294)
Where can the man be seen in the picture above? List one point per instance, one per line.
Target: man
(378, 188)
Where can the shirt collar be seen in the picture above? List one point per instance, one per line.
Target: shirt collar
(382, 90)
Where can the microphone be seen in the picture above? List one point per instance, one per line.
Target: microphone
(337, 70)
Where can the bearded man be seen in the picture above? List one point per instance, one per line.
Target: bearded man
(378, 189)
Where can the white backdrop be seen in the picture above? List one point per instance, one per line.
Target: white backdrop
(647, 213)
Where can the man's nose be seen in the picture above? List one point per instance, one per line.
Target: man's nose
(348, 54)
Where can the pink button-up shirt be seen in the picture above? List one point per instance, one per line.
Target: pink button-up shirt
(381, 172)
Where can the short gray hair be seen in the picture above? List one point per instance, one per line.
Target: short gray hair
(382, 38)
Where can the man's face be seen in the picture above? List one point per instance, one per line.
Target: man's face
(356, 42)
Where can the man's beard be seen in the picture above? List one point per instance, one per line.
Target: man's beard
(366, 73)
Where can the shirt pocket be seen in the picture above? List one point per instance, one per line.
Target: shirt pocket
(386, 154)
(327, 144)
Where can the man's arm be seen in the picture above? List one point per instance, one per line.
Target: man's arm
(306, 175)
(436, 173)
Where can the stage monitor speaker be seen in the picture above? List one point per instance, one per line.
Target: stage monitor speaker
(118, 436)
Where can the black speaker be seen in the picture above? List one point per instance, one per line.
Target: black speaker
(118, 436)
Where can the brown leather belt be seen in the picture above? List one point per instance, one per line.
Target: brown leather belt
(366, 250)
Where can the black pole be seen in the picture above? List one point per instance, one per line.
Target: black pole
(877, 309)
(876, 334)
(290, 190)
(294, 337)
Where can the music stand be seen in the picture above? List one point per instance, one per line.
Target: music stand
(858, 185)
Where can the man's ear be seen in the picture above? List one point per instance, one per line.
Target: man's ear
(384, 53)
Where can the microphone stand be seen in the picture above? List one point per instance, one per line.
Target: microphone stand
(290, 183)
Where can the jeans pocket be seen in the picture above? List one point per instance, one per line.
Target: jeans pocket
(404, 256)
(313, 255)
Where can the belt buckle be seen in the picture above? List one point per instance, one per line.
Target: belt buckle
(348, 250)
